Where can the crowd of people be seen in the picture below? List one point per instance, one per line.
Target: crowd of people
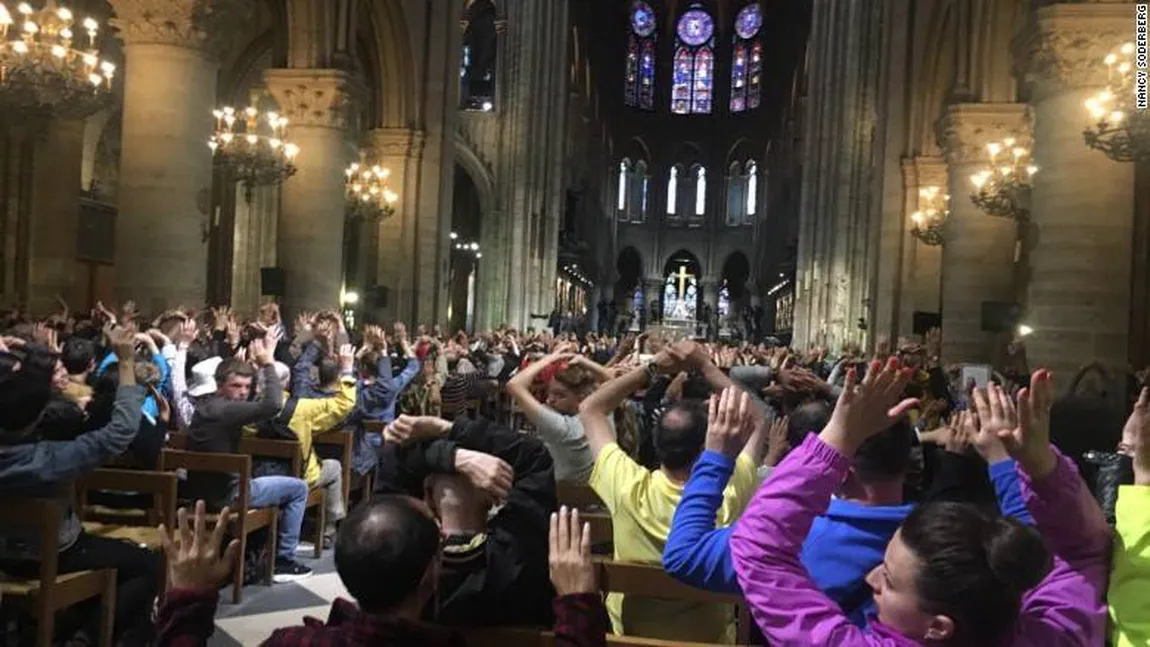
(847, 499)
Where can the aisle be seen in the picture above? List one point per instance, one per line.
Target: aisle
(267, 608)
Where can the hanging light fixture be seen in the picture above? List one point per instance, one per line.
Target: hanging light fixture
(251, 146)
(367, 192)
(932, 213)
(1003, 188)
(43, 70)
(1120, 129)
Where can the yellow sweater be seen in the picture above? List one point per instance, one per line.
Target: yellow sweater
(315, 416)
(1129, 594)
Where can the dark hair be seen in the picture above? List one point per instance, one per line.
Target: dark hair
(233, 366)
(368, 363)
(328, 370)
(383, 549)
(25, 392)
(680, 434)
(887, 454)
(974, 566)
(807, 418)
(78, 355)
(696, 386)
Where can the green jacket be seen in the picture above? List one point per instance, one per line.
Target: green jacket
(1129, 595)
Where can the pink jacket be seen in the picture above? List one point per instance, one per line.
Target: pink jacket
(1064, 610)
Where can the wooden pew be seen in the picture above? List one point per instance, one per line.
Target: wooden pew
(134, 525)
(291, 451)
(52, 591)
(244, 519)
(579, 497)
(344, 440)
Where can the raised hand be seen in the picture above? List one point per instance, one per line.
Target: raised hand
(569, 558)
(866, 409)
(407, 429)
(996, 414)
(346, 357)
(1029, 441)
(47, 336)
(1136, 438)
(961, 435)
(260, 353)
(730, 422)
(123, 343)
(186, 334)
(777, 443)
(194, 559)
(486, 472)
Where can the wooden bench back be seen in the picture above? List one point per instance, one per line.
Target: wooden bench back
(161, 485)
(174, 459)
(580, 497)
(43, 515)
(288, 450)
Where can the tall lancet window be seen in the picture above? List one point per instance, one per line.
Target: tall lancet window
(694, 63)
(477, 66)
(673, 191)
(747, 59)
(639, 76)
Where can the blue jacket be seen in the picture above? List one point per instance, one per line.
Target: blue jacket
(841, 548)
(375, 402)
(151, 408)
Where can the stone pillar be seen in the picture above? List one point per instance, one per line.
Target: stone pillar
(652, 293)
(170, 49)
(310, 246)
(55, 216)
(922, 263)
(978, 256)
(1081, 201)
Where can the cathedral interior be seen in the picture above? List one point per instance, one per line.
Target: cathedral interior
(691, 163)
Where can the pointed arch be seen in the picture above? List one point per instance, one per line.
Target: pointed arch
(388, 61)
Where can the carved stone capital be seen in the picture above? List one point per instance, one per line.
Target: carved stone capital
(396, 142)
(967, 128)
(206, 25)
(323, 98)
(1063, 46)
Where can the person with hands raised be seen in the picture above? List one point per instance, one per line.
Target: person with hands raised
(556, 420)
(1129, 592)
(377, 391)
(953, 574)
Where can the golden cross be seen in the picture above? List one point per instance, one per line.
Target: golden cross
(683, 281)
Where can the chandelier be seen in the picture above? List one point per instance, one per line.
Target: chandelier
(928, 220)
(1120, 130)
(367, 193)
(252, 147)
(1003, 189)
(42, 73)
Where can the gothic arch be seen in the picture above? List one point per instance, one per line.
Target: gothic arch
(740, 152)
(638, 149)
(480, 174)
(384, 43)
(934, 77)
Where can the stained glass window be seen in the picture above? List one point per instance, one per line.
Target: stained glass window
(694, 64)
(624, 173)
(752, 191)
(672, 190)
(639, 75)
(477, 66)
(639, 192)
(746, 58)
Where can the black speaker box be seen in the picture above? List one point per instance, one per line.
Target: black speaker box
(273, 282)
(379, 299)
(924, 321)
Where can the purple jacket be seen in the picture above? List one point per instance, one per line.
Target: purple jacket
(1064, 610)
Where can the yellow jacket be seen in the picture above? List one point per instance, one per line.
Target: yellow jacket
(1129, 594)
(315, 416)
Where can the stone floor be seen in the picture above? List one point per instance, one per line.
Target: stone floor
(267, 608)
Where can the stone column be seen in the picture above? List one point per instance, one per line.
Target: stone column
(1081, 201)
(310, 246)
(55, 216)
(170, 47)
(652, 293)
(978, 256)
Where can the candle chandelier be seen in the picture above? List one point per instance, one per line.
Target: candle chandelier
(932, 213)
(1120, 129)
(43, 70)
(1003, 189)
(367, 192)
(251, 146)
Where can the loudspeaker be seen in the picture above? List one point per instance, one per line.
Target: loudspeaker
(273, 282)
(379, 296)
(1000, 316)
(924, 321)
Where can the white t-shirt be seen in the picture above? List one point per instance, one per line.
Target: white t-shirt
(564, 438)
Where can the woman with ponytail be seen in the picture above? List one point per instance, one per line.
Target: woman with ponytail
(953, 574)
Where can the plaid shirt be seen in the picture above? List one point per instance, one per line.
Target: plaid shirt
(187, 619)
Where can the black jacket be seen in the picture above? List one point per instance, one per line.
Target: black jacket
(504, 579)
